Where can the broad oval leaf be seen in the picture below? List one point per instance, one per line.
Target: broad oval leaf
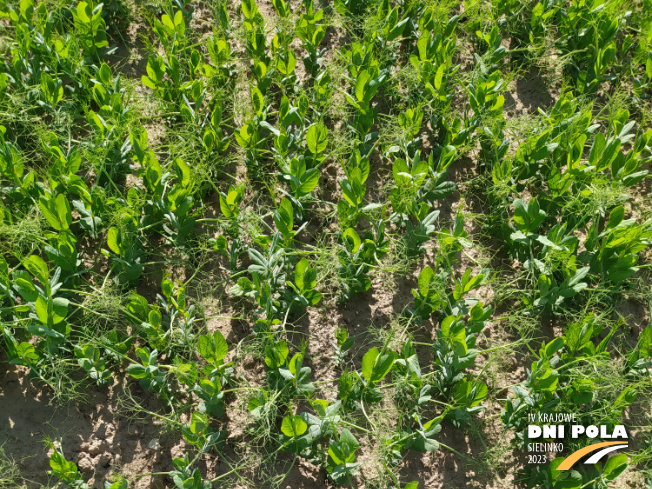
(317, 138)
(293, 426)
(213, 348)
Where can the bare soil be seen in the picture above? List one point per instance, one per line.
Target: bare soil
(99, 435)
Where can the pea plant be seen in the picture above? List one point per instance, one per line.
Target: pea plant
(313, 242)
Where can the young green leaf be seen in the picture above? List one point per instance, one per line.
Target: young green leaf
(213, 348)
(293, 426)
(317, 138)
(615, 466)
(283, 218)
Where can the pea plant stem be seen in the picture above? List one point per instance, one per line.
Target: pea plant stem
(356, 427)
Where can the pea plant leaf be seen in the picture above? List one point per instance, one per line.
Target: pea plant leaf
(213, 348)
(317, 138)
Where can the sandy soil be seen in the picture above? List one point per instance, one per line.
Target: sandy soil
(99, 435)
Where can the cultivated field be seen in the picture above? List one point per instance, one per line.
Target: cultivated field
(304, 244)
